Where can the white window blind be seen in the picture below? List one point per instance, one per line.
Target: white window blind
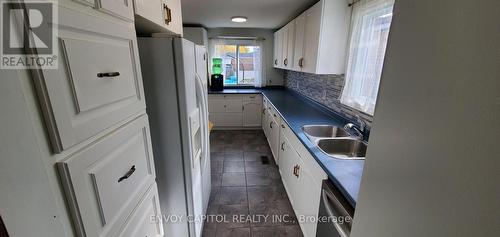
(370, 24)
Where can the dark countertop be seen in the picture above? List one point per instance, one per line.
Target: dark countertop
(298, 111)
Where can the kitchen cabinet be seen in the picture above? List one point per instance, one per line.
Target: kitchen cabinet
(235, 111)
(252, 105)
(158, 16)
(278, 49)
(288, 45)
(264, 116)
(298, 46)
(320, 38)
(283, 46)
(274, 136)
(286, 168)
(122, 9)
(300, 173)
(98, 82)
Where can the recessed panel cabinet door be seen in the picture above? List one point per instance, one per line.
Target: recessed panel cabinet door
(172, 16)
(98, 82)
(105, 181)
(312, 34)
(252, 114)
(119, 8)
(298, 52)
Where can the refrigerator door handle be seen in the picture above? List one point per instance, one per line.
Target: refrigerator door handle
(204, 120)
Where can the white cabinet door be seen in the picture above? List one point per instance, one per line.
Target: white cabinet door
(284, 45)
(277, 44)
(216, 106)
(98, 82)
(298, 51)
(105, 181)
(311, 42)
(172, 16)
(150, 9)
(280, 37)
(308, 199)
(119, 8)
(252, 114)
(226, 119)
(288, 60)
(288, 159)
(234, 105)
(275, 137)
(145, 221)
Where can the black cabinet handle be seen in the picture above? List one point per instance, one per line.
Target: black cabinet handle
(282, 146)
(128, 174)
(282, 126)
(108, 74)
(271, 124)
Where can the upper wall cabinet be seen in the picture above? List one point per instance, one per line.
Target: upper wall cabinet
(283, 46)
(158, 16)
(319, 39)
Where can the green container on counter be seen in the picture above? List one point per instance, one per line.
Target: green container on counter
(216, 65)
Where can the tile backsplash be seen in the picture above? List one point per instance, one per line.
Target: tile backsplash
(324, 89)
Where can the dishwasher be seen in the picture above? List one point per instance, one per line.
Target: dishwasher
(335, 213)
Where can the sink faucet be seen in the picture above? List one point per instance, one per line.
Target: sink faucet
(360, 130)
(351, 126)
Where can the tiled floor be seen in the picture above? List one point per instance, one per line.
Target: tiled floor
(246, 187)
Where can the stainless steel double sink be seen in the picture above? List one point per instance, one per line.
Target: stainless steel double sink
(336, 142)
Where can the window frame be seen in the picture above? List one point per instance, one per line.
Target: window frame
(238, 62)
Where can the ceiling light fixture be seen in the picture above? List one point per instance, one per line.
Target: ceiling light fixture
(239, 19)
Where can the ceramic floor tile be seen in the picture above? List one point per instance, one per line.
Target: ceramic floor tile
(233, 179)
(234, 166)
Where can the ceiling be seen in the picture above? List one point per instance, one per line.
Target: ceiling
(269, 14)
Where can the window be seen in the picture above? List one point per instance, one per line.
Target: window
(241, 62)
(370, 29)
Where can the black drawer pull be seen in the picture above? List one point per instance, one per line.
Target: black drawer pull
(108, 74)
(128, 174)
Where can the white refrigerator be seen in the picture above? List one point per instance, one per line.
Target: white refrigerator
(174, 72)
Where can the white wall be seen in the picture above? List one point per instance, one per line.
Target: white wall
(274, 76)
(433, 162)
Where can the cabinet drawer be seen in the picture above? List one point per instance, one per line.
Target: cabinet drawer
(98, 81)
(274, 113)
(256, 98)
(105, 181)
(141, 222)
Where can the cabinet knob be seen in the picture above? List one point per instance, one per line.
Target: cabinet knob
(282, 126)
(276, 62)
(285, 62)
(301, 62)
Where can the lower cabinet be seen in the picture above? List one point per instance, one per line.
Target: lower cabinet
(300, 173)
(147, 220)
(235, 111)
(106, 181)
